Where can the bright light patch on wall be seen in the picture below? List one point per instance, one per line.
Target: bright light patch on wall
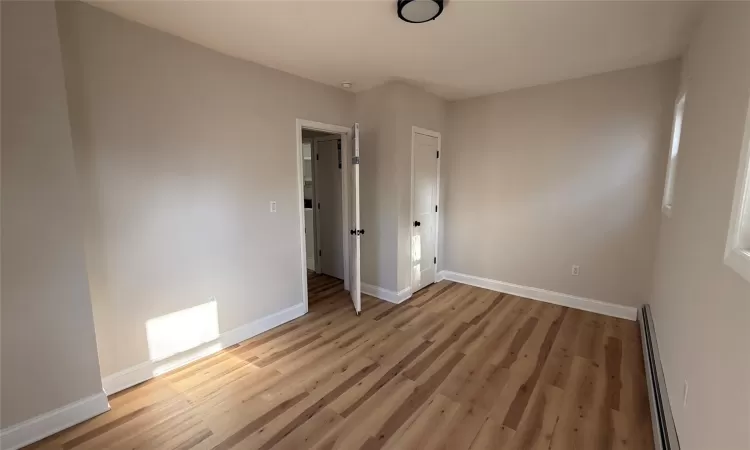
(183, 330)
(416, 255)
(674, 149)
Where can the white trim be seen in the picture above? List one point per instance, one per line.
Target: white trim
(385, 294)
(334, 129)
(147, 370)
(435, 134)
(49, 423)
(737, 253)
(543, 295)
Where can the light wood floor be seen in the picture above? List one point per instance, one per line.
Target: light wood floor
(455, 367)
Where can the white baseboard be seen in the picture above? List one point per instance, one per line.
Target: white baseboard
(385, 294)
(147, 370)
(543, 295)
(49, 423)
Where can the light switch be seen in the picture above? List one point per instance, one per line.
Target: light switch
(273, 206)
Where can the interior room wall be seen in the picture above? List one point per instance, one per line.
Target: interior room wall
(48, 343)
(701, 307)
(387, 114)
(180, 149)
(540, 179)
(312, 134)
(377, 215)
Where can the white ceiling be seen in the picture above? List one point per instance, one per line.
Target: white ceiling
(473, 48)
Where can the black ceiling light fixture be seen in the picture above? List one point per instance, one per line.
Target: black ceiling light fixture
(419, 11)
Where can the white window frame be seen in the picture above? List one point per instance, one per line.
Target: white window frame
(737, 253)
(674, 152)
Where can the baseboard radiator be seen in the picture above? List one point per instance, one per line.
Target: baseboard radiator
(665, 433)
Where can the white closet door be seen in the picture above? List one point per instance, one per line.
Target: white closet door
(424, 204)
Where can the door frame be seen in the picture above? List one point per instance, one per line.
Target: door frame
(345, 133)
(436, 134)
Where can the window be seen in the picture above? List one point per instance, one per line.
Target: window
(737, 255)
(674, 149)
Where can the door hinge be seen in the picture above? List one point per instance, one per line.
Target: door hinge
(438, 154)
(320, 252)
(317, 156)
(434, 260)
(355, 160)
(339, 144)
(435, 208)
(318, 205)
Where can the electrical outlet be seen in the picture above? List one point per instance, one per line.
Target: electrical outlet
(575, 271)
(684, 394)
(273, 206)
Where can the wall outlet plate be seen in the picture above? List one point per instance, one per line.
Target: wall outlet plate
(575, 271)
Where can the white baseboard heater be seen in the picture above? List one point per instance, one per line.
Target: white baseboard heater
(665, 433)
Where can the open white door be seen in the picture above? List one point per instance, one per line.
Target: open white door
(356, 230)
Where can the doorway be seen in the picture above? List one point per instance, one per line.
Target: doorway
(324, 203)
(425, 206)
(328, 178)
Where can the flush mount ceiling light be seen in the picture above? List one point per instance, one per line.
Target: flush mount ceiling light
(419, 11)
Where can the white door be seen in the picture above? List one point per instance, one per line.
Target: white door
(329, 208)
(424, 208)
(356, 230)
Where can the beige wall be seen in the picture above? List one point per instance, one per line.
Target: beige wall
(540, 179)
(387, 114)
(701, 307)
(378, 214)
(180, 149)
(48, 344)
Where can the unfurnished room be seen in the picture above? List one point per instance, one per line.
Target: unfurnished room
(375, 224)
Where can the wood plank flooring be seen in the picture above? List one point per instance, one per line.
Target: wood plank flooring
(454, 367)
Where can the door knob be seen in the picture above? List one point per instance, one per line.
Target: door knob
(417, 223)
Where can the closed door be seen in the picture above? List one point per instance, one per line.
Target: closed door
(424, 208)
(328, 197)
